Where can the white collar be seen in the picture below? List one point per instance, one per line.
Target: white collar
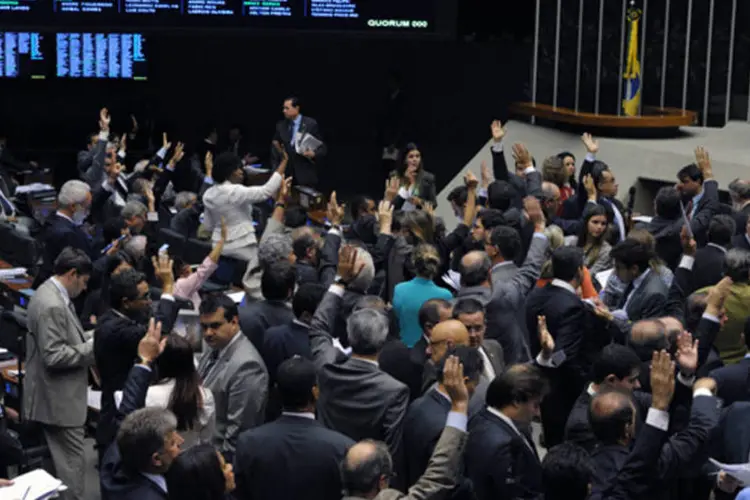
(301, 323)
(62, 290)
(60, 214)
(437, 389)
(640, 279)
(564, 285)
(590, 390)
(508, 421)
(298, 414)
(717, 246)
(158, 480)
(501, 264)
(367, 361)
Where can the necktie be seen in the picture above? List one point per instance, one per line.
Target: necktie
(689, 210)
(624, 299)
(213, 357)
(291, 133)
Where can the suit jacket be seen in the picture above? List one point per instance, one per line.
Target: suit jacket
(304, 171)
(684, 448)
(59, 233)
(257, 317)
(91, 164)
(481, 293)
(740, 219)
(396, 360)
(530, 185)
(708, 268)
(426, 190)
(506, 309)
(707, 207)
(499, 462)
(294, 444)
(186, 222)
(59, 354)
(117, 482)
(361, 401)
(116, 341)
(741, 241)
(239, 383)
(733, 382)
(440, 476)
(667, 235)
(649, 300)
(730, 441)
(324, 272)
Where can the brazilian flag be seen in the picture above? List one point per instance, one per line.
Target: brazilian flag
(632, 99)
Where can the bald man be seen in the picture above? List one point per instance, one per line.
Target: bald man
(445, 335)
(368, 466)
(475, 269)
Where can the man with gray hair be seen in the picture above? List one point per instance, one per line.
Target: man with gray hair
(187, 220)
(64, 228)
(272, 248)
(136, 216)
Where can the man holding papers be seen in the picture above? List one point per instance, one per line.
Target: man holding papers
(301, 137)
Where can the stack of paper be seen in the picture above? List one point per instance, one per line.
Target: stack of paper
(34, 187)
(33, 485)
(15, 272)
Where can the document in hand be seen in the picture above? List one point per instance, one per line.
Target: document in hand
(33, 485)
(308, 142)
(741, 472)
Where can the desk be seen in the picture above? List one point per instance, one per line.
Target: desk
(11, 290)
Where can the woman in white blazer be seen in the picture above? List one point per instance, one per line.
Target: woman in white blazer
(230, 200)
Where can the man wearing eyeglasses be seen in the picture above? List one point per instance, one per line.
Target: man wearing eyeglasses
(470, 312)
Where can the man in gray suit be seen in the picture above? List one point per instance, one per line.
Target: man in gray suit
(233, 370)
(475, 277)
(510, 285)
(368, 467)
(59, 354)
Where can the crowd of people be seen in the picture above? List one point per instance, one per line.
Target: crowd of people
(383, 355)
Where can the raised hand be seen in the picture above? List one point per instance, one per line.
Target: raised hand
(533, 210)
(717, 294)
(385, 216)
(486, 176)
(471, 180)
(179, 152)
(662, 380)
(592, 146)
(391, 189)
(104, 119)
(498, 130)
(209, 162)
(455, 384)
(545, 338)
(165, 144)
(687, 353)
(223, 229)
(285, 189)
(348, 267)
(522, 156)
(335, 211)
(589, 186)
(428, 208)
(163, 268)
(689, 246)
(124, 143)
(152, 344)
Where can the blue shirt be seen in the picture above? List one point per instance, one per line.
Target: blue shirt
(696, 200)
(408, 298)
(295, 128)
(744, 494)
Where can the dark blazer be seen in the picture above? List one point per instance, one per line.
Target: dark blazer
(361, 401)
(530, 186)
(423, 427)
(649, 299)
(116, 482)
(116, 341)
(292, 457)
(283, 342)
(396, 360)
(186, 222)
(59, 233)
(740, 241)
(733, 382)
(666, 233)
(730, 443)
(257, 317)
(707, 207)
(572, 325)
(304, 171)
(708, 268)
(325, 272)
(680, 451)
(499, 462)
(740, 219)
(427, 191)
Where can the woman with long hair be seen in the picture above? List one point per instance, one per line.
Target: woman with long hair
(200, 473)
(592, 239)
(554, 171)
(179, 389)
(417, 185)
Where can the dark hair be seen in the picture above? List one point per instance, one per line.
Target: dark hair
(592, 210)
(187, 399)
(225, 165)
(507, 241)
(467, 306)
(362, 478)
(491, 218)
(567, 471)
(124, 286)
(519, 384)
(566, 262)
(476, 273)
(278, 280)
(597, 172)
(112, 263)
(112, 229)
(196, 474)
(420, 227)
(632, 253)
(402, 164)
(212, 302)
(295, 379)
(294, 101)
(469, 357)
(358, 206)
(614, 359)
(178, 265)
(667, 203)
(72, 259)
(721, 230)
(695, 306)
(562, 156)
(609, 428)
(459, 195)
(302, 243)
(500, 195)
(295, 216)
(692, 172)
(429, 313)
(307, 298)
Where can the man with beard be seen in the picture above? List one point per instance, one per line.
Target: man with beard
(120, 329)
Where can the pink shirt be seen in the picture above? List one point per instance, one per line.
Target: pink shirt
(187, 288)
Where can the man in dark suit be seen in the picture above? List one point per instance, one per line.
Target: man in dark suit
(501, 458)
(135, 464)
(571, 325)
(431, 313)
(617, 367)
(290, 132)
(509, 188)
(700, 193)
(316, 263)
(295, 444)
(277, 285)
(187, 220)
(739, 191)
(613, 418)
(733, 381)
(709, 260)
(666, 225)
(64, 228)
(475, 269)
(425, 419)
(470, 312)
(118, 332)
(742, 240)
